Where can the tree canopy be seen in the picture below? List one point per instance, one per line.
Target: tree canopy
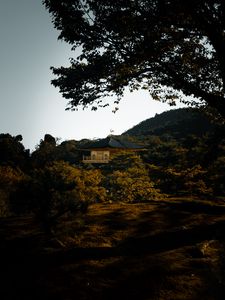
(170, 48)
(12, 151)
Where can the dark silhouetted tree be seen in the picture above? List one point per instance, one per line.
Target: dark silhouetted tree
(170, 48)
(46, 152)
(12, 151)
(68, 151)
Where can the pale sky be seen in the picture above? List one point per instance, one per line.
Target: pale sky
(30, 105)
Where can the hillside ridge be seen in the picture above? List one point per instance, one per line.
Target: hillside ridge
(176, 122)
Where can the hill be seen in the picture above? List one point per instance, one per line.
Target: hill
(175, 123)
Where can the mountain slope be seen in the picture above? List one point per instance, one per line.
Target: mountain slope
(177, 123)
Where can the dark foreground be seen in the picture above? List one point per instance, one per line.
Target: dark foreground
(164, 250)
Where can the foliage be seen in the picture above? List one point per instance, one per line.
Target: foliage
(169, 48)
(184, 155)
(69, 151)
(54, 191)
(59, 189)
(129, 180)
(216, 175)
(132, 185)
(12, 151)
(178, 142)
(90, 188)
(10, 177)
(166, 179)
(45, 152)
(193, 181)
(10, 180)
(124, 160)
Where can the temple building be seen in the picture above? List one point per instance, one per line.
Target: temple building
(100, 151)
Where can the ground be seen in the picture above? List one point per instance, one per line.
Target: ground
(165, 250)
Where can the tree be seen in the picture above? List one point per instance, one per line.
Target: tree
(12, 151)
(128, 180)
(132, 185)
(46, 152)
(68, 151)
(58, 189)
(170, 48)
(194, 182)
(10, 181)
(54, 194)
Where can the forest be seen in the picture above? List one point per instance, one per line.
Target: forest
(184, 155)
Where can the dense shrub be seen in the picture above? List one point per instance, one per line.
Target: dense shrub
(58, 189)
(132, 185)
(10, 180)
(129, 180)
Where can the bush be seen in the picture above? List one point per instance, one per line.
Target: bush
(10, 180)
(130, 181)
(59, 189)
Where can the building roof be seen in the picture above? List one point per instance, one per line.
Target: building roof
(112, 142)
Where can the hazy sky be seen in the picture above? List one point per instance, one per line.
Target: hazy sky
(30, 105)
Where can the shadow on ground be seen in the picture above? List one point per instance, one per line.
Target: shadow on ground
(159, 251)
